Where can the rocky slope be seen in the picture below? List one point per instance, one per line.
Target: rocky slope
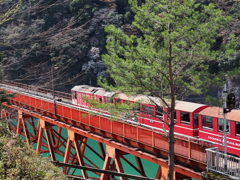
(63, 40)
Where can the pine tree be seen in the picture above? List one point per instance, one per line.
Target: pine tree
(169, 59)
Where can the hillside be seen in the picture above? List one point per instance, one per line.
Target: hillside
(63, 40)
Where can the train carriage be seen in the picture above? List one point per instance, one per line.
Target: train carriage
(192, 119)
(211, 128)
(80, 93)
(186, 117)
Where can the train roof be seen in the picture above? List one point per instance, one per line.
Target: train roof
(218, 112)
(189, 106)
(180, 105)
(92, 90)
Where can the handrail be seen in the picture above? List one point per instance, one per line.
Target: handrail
(36, 90)
(216, 163)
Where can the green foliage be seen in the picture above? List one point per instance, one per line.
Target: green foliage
(170, 59)
(116, 110)
(83, 9)
(173, 53)
(76, 5)
(230, 64)
(212, 101)
(235, 9)
(5, 97)
(17, 161)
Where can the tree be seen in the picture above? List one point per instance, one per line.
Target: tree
(5, 15)
(5, 97)
(169, 58)
(17, 160)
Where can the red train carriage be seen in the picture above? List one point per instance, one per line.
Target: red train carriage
(150, 114)
(192, 119)
(186, 116)
(80, 93)
(211, 128)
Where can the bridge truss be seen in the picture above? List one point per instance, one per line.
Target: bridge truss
(40, 124)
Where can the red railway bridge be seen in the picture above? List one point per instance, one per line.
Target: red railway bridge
(115, 139)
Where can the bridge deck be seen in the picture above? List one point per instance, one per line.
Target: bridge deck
(126, 135)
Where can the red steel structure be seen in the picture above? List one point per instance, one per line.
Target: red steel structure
(115, 138)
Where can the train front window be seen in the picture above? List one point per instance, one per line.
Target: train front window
(207, 122)
(221, 125)
(237, 128)
(185, 118)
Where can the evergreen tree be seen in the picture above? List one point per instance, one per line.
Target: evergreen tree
(169, 58)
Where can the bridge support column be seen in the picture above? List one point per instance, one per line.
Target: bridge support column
(50, 140)
(163, 172)
(21, 126)
(112, 153)
(72, 140)
(43, 125)
(179, 176)
(20, 122)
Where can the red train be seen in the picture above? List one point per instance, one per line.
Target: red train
(193, 120)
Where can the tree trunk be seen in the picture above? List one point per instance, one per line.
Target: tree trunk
(171, 148)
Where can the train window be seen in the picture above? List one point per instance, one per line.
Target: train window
(207, 122)
(195, 119)
(159, 111)
(185, 118)
(118, 100)
(151, 111)
(100, 99)
(108, 100)
(221, 125)
(145, 109)
(237, 128)
(74, 94)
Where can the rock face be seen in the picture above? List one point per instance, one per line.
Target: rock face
(94, 67)
(66, 34)
(69, 35)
